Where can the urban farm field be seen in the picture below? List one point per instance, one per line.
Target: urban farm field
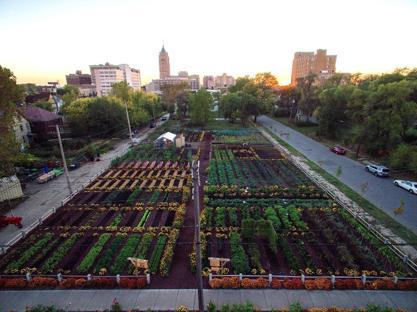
(258, 210)
(266, 216)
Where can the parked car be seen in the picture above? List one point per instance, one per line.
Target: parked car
(407, 185)
(338, 150)
(378, 170)
(163, 118)
(74, 165)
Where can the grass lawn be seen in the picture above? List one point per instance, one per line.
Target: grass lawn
(383, 218)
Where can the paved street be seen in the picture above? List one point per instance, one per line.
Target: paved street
(379, 191)
(43, 197)
(169, 299)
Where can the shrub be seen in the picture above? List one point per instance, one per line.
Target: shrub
(348, 284)
(293, 283)
(132, 283)
(380, 284)
(41, 282)
(225, 282)
(319, 283)
(276, 283)
(14, 283)
(255, 283)
(239, 258)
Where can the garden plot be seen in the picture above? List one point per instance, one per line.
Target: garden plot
(111, 220)
(267, 217)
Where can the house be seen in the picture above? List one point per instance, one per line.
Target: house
(22, 130)
(42, 122)
(10, 188)
(168, 139)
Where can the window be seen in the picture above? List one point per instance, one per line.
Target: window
(21, 128)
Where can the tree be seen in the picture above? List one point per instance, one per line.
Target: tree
(183, 102)
(331, 113)
(231, 107)
(44, 105)
(100, 116)
(10, 95)
(200, 103)
(308, 101)
(170, 94)
(69, 94)
(143, 107)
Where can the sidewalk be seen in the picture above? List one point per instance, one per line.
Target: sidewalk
(43, 197)
(164, 299)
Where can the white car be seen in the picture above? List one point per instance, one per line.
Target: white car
(407, 185)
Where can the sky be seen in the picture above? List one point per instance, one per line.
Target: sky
(42, 40)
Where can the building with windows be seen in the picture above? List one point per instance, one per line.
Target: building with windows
(164, 67)
(208, 82)
(224, 81)
(22, 131)
(319, 63)
(165, 78)
(83, 82)
(104, 76)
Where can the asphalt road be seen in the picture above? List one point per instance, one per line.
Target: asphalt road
(379, 191)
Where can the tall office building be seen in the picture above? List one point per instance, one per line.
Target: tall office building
(208, 82)
(78, 79)
(104, 76)
(165, 78)
(224, 81)
(321, 64)
(164, 68)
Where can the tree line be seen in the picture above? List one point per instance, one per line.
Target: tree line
(376, 114)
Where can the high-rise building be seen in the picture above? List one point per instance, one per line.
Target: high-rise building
(155, 85)
(224, 81)
(78, 79)
(82, 81)
(164, 68)
(208, 82)
(104, 76)
(320, 64)
(194, 81)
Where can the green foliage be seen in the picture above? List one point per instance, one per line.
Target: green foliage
(131, 199)
(239, 258)
(44, 105)
(271, 215)
(50, 264)
(265, 230)
(30, 253)
(157, 253)
(92, 254)
(220, 217)
(69, 94)
(200, 104)
(404, 157)
(295, 307)
(128, 250)
(248, 228)
(144, 245)
(10, 95)
(107, 257)
(102, 116)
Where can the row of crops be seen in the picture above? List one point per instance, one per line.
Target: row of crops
(100, 228)
(267, 217)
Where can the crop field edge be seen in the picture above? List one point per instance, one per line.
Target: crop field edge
(397, 228)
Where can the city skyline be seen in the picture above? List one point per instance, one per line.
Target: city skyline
(368, 36)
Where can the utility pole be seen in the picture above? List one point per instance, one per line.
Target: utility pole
(64, 162)
(197, 243)
(128, 122)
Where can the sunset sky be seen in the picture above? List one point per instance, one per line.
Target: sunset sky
(44, 40)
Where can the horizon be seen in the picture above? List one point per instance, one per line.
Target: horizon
(237, 38)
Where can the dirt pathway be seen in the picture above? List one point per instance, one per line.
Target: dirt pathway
(180, 275)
